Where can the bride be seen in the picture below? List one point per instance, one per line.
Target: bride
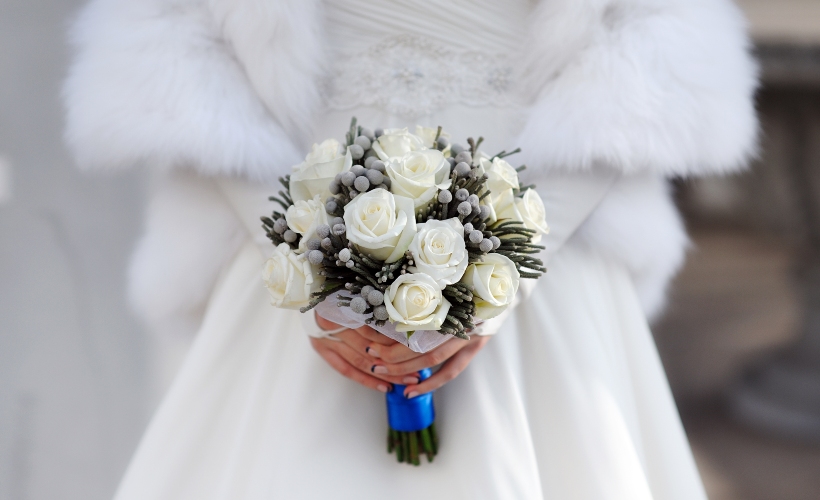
(567, 400)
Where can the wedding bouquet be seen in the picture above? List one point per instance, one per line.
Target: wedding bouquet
(418, 238)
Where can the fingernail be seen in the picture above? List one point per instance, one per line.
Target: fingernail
(379, 369)
(371, 351)
(382, 388)
(412, 395)
(410, 380)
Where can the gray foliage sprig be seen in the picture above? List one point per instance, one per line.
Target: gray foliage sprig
(358, 280)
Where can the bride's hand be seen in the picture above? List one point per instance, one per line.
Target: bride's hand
(397, 359)
(349, 357)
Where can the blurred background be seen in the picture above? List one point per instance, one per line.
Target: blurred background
(740, 341)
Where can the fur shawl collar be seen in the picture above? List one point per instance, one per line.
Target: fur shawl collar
(230, 87)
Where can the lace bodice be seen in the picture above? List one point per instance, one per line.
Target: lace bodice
(412, 58)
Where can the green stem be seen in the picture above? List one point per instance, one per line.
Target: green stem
(427, 442)
(409, 446)
(405, 443)
(414, 448)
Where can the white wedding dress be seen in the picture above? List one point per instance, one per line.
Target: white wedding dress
(568, 400)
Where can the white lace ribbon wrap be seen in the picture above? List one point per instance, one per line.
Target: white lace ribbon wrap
(418, 341)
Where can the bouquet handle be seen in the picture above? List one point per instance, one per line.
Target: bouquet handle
(411, 422)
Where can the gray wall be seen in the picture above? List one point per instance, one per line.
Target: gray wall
(73, 397)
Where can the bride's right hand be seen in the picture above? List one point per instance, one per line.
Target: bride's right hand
(344, 356)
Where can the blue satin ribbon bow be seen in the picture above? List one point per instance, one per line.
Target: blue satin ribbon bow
(410, 415)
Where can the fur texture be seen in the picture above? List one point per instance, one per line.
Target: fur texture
(153, 82)
(280, 46)
(638, 224)
(229, 87)
(641, 85)
(191, 233)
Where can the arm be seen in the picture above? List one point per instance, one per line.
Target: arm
(658, 88)
(569, 200)
(135, 96)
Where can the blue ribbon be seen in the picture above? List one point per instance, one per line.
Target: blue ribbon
(410, 415)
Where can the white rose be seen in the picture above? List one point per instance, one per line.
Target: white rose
(504, 206)
(289, 278)
(494, 283)
(439, 251)
(312, 177)
(500, 175)
(428, 135)
(418, 175)
(304, 216)
(477, 160)
(414, 302)
(533, 214)
(501, 180)
(328, 150)
(380, 224)
(395, 142)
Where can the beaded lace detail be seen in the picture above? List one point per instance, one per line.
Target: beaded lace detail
(411, 76)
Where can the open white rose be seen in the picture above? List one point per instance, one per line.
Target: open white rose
(395, 142)
(533, 214)
(380, 224)
(304, 216)
(502, 206)
(428, 136)
(500, 175)
(419, 175)
(494, 282)
(439, 251)
(414, 302)
(501, 180)
(289, 278)
(312, 177)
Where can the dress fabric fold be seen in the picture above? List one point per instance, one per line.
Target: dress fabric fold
(568, 401)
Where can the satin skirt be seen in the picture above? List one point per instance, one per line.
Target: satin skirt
(568, 401)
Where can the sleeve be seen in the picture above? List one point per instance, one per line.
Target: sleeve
(663, 86)
(569, 200)
(312, 328)
(165, 84)
(644, 89)
(190, 234)
(158, 83)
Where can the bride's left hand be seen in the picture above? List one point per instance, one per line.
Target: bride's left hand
(397, 359)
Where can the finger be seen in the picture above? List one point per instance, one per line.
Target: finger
(361, 345)
(346, 370)
(374, 336)
(395, 353)
(354, 339)
(435, 357)
(449, 370)
(325, 324)
(365, 365)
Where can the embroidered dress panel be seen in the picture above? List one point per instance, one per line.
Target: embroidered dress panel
(408, 63)
(411, 77)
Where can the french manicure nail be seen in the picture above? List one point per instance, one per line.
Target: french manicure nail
(412, 395)
(410, 380)
(371, 351)
(379, 369)
(382, 388)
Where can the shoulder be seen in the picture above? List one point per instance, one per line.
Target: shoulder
(160, 82)
(663, 85)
